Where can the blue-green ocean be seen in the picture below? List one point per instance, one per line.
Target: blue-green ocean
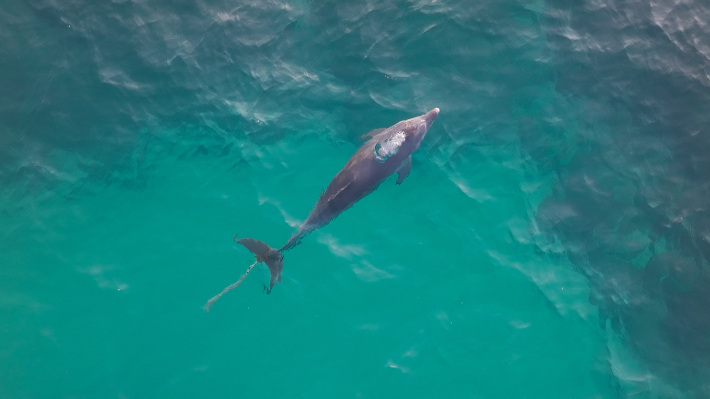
(551, 241)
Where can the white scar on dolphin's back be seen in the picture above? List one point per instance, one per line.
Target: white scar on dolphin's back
(389, 147)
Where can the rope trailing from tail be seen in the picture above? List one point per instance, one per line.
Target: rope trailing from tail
(214, 299)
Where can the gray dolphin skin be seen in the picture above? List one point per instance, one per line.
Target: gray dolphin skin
(388, 151)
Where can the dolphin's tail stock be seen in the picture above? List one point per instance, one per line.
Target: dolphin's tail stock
(264, 253)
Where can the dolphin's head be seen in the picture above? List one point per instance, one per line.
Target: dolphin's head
(416, 128)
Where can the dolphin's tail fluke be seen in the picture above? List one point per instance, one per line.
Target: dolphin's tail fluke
(264, 253)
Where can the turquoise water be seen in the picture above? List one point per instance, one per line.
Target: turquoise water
(551, 241)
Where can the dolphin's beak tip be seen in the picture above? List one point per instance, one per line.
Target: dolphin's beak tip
(431, 115)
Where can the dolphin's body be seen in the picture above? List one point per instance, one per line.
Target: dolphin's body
(386, 152)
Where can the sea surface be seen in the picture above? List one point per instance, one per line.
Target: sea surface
(551, 241)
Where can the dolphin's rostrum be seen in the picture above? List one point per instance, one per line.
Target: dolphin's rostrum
(386, 152)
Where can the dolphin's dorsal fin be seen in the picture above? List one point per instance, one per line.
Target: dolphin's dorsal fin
(372, 134)
(404, 169)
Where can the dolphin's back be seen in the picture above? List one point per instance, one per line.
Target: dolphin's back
(360, 176)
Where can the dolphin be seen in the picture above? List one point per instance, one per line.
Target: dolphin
(387, 151)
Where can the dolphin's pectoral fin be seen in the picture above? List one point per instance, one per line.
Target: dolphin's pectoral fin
(404, 170)
(372, 134)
